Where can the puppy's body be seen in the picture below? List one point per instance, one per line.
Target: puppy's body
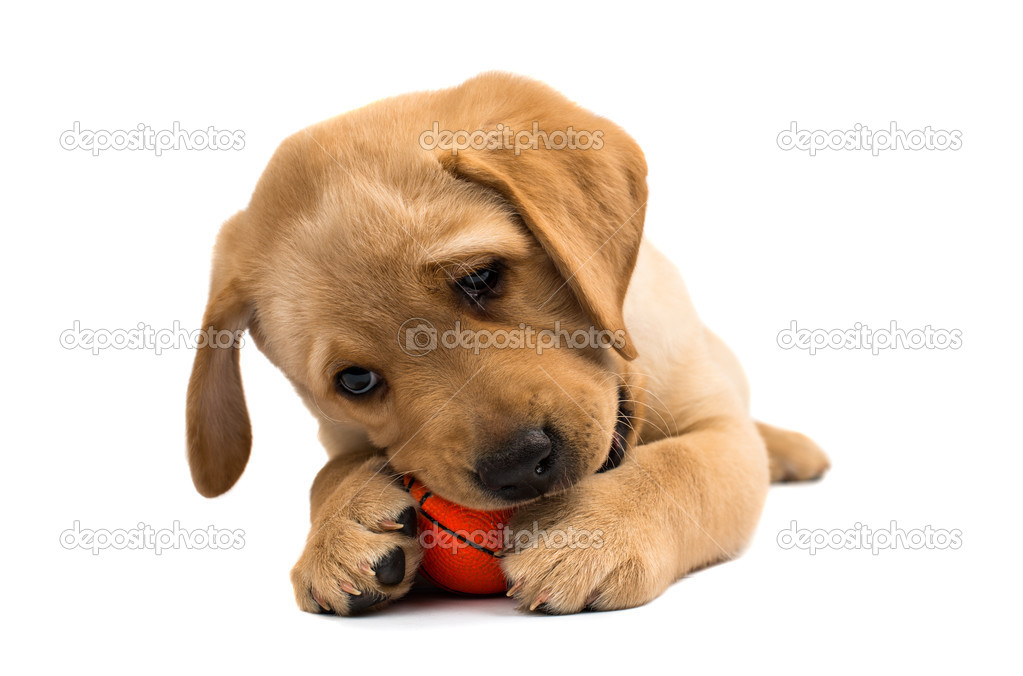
(356, 229)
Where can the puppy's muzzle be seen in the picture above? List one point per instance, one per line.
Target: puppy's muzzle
(523, 469)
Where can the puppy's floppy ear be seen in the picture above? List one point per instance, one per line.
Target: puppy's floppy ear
(218, 430)
(585, 206)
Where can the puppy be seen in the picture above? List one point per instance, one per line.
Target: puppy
(366, 240)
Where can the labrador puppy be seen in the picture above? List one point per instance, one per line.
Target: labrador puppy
(371, 248)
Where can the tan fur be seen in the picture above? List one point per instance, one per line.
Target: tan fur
(354, 229)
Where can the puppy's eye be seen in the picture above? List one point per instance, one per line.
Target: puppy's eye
(356, 380)
(479, 283)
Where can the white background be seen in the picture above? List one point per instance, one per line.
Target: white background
(762, 236)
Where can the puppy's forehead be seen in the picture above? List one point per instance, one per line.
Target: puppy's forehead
(375, 223)
(361, 185)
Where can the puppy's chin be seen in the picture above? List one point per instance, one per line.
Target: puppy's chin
(482, 498)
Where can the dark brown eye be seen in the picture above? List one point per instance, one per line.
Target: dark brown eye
(356, 380)
(479, 283)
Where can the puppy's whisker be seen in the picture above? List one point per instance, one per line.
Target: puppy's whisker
(627, 385)
(655, 396)
(646, 423)
(624, 384)
(664, 430)
(651, 425)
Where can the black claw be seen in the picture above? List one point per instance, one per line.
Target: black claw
(391, 569)
(409, 522)
(364, 601)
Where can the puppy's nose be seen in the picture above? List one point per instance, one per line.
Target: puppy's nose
(523, 469)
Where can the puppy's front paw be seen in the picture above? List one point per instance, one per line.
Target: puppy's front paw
(363, 552)
(581, 550)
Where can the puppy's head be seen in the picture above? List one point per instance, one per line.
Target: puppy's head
(460, 311)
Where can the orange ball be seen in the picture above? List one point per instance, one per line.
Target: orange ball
(460, 545)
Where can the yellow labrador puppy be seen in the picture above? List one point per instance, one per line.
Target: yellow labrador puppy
(588, 394)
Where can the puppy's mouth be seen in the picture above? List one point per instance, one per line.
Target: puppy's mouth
(619, 443)
(520, 490)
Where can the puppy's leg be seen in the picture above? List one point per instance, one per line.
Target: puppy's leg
(793, 456)
(362, 549)
(618, 539)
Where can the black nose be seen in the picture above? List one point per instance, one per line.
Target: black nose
(523, 469)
